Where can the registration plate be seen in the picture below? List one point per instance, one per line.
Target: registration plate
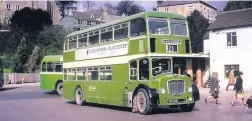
(173, 101)
(177, 101)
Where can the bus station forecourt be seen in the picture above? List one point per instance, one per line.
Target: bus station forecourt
(133, 62)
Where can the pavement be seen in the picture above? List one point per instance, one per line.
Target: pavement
(22, 85)
(28, 103)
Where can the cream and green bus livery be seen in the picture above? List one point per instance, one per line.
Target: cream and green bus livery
(130, 62)
(51, 73)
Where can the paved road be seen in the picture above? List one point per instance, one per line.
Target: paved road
(29, 103)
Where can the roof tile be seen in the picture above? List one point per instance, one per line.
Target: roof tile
(232, 19)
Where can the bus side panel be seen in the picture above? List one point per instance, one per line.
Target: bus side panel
(69, 89)
(69, 56)
(113, 92)
(48, 81)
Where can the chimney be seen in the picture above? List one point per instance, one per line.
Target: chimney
(69, 12)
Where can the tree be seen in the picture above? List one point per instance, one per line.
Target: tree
(30, 20)
(19, 59)
(89, 5)
(33, 62)
(198, 25)
(63, 6)
(128, 8)
(51, 40)
(235, 5)
(109, 7)
(159, 2)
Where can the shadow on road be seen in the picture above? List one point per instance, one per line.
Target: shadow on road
(249, 112)
(9, 88)
(51, 93)
(155, 110)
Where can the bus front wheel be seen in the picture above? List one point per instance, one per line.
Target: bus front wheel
(59, 88)
(79, 96)
(143, 102)
(187, 107)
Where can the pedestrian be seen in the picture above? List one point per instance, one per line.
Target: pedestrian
(214, 88)
(249, 101)
(239, 92)
(231, 79)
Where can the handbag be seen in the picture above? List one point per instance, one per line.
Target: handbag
(240, 94)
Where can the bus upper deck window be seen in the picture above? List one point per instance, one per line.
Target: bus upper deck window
(158, 26)
(178, 27)
(137, 27)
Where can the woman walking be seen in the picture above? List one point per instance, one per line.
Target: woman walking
(238, 87)
(214, 88)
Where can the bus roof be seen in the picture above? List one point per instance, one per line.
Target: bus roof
(53, 58)
(124, 19)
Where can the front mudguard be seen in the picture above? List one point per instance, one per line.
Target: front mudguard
(195, 91)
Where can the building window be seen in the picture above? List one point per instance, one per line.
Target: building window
(17, 7)
(228, 68)
(8, 6)
(231, 39)
(79, 21)
(97, 22)
(89, 23)
(166, 9)
(190, 7)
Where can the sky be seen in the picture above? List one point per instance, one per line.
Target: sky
(148, 5)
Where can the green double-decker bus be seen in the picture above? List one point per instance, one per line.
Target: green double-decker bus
(130, 62)
(51, 73)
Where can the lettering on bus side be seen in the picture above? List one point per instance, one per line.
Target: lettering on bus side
(102, 51)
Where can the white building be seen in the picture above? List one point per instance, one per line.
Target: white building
(228, 43)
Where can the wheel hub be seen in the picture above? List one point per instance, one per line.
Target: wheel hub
(78, 96)
(141, 102)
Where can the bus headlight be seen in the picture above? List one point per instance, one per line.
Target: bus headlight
(162, 91)
(190, 89)
(190, 99)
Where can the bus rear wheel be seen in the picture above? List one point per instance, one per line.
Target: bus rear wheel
(79, 96)
(59, 88)
(187, 107)
(143, 102)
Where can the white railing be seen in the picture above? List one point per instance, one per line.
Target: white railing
(18, 78)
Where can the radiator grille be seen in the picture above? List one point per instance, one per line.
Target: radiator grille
(176, 87)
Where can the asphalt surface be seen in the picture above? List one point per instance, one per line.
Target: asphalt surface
(29, 103)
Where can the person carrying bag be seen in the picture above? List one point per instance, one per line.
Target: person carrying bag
(249, 101)
(239, 92)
